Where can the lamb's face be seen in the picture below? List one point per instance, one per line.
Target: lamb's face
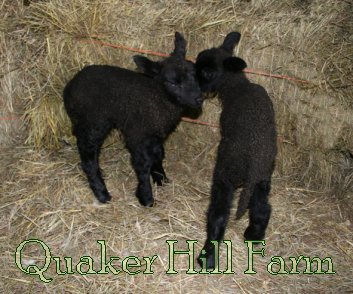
(209, 68)
(180, 81)
(212, 63)
(177, 75)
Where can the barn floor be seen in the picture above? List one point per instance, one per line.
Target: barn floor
(45, 196)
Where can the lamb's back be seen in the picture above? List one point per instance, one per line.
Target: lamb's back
(248, 127)
(128, 100)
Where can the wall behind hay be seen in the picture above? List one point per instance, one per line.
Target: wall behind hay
(309, 40)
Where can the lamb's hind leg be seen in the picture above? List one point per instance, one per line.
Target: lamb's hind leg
(259, 211)
(157, 170)
(217, 216)
(89, 142)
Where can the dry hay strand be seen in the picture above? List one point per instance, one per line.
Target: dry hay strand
(45, 195)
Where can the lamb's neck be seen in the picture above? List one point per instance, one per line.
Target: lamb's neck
(231, 83)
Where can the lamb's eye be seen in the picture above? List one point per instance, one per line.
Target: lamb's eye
(174, 82)
(171, 83)
(208, 74)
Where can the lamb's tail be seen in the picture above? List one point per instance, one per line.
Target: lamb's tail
(244, 200)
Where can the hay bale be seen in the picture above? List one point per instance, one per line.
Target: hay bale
(308, 40)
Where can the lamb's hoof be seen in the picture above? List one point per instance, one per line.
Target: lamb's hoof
(104, 197)
(160, 180)
(251, 234)
(148, 202)
(208, 258)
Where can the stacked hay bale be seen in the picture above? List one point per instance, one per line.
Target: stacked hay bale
(308, 41)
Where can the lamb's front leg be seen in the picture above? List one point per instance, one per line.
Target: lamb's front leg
(217, 219)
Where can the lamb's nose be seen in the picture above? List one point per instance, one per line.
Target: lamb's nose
(199, 100)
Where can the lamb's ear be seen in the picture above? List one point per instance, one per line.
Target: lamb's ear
(148, 67)
(230, 41)
(234, 64)
(179, 45)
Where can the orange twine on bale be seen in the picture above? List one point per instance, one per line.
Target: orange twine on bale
(151, 52)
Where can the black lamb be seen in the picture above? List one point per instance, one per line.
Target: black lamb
(247, 150)
(146, 110)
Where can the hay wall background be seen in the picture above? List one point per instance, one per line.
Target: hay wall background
(311, 40)
(41, 50)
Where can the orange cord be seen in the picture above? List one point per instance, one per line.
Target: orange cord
(271, 75)
(198, 122)
(150, 52)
